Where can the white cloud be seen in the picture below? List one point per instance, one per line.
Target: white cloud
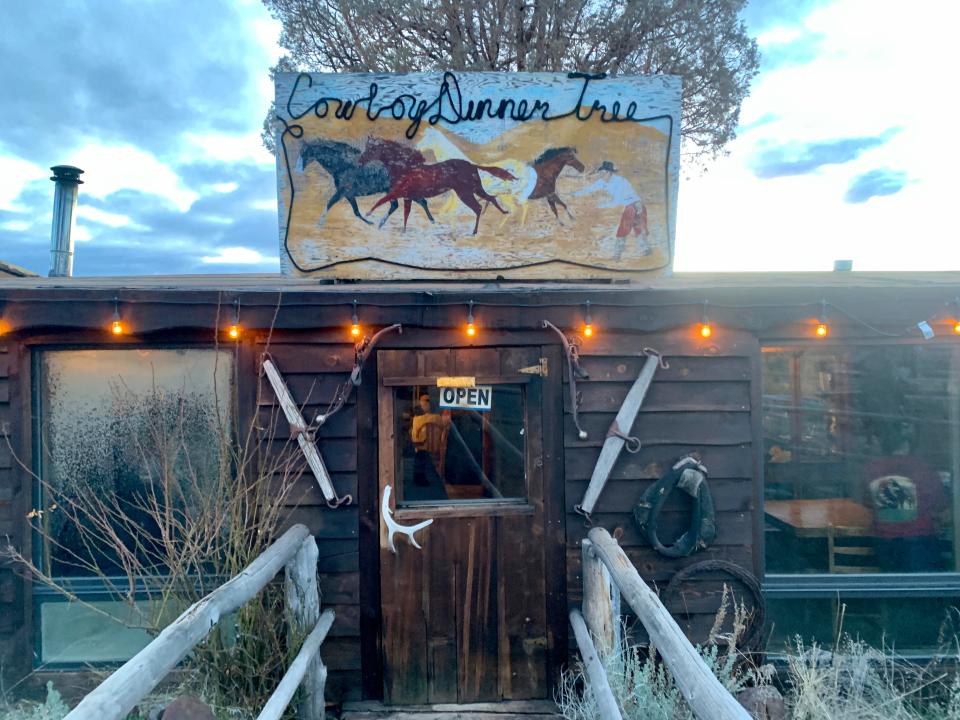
(221, 147)
(114, 220)
(16, 225)
(109, 168)
(81, 233)
(877, 67)
(236, 256)
(265, 204)
(224, 187)
(15, 173)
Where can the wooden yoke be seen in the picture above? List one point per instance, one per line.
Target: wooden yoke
(617, 435)
(299, 427)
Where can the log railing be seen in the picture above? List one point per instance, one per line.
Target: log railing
(609, 575)
(295, 552)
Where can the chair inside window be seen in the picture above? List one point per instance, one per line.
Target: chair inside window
(851, 550)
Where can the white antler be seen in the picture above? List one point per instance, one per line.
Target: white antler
(393, 527)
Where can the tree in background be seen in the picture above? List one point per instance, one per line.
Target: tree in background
(702, 41)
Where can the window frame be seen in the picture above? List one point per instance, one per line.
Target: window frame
(94, 588)
(838, 586)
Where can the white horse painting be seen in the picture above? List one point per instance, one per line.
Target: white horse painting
(512, 193)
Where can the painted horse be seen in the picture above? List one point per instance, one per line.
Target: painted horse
(548, 166)
(421, 180)
(351, 179)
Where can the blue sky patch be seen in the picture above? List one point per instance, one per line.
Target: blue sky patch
(875, 183)
(804, 158)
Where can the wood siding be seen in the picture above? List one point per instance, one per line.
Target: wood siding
(706, 402)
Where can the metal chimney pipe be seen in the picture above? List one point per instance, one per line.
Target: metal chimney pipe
(67, 180)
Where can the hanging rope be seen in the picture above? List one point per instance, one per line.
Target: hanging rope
(691, 477)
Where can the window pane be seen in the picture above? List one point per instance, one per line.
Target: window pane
(460, 455)
(97, 631)
(137, 425)
(861, 458)
(908, 625)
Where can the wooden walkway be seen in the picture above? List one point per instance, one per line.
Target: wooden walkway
(523, 710)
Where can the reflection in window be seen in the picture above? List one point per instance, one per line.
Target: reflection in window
(460, 455)
(862, 457)
(130, 438)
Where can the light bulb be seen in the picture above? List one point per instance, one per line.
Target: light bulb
(234, 332)
(705, 330)
(822, 330)
(116, 327)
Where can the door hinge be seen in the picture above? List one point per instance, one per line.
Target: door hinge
(539, 369)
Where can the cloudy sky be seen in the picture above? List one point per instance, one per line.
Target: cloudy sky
(845, 147)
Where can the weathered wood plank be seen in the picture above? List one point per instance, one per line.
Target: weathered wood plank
(666, 428)
(703, 692)
(666, 396)
(681, 368)
(729, 495)
(733, 461)
(733, 528)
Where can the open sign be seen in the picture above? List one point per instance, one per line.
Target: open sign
(466, 398)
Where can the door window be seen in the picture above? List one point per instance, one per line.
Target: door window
(459, 454)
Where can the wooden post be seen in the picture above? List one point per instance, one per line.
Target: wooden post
(706, 696)
(300, 670)
(599, 684)
(601, 602)
(116, 696)
(303, 612)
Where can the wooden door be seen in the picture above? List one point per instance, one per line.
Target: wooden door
(464, 619)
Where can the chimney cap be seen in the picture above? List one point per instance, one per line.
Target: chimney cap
(67, 173)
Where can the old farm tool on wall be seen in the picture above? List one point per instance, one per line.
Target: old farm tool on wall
(617, 436)
(361, 353)
(393, 527)
(689, 476)
(304, 437)
(574, 373)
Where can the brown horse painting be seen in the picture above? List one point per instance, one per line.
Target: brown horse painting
(422, 180)
(548, 167)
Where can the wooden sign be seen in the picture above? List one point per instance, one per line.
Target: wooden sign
(466, 398)
(477, 175)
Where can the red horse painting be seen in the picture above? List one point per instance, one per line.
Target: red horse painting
(422, 180)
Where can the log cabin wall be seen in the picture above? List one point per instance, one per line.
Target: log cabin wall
(708, 402)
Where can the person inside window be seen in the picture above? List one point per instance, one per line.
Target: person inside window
(428, 432)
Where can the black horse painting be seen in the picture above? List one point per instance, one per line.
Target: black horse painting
(351, 180)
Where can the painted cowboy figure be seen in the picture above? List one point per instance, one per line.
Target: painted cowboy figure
(621, 193)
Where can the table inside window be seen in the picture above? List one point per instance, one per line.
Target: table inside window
(814, 518)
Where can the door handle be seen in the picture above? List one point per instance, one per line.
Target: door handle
(393, 527)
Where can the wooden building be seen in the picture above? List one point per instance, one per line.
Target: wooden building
(789, 424)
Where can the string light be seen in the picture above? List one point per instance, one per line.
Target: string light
(235, 330)
(355, 329)
(471, 328)
(822, 329)
(117, 327)
(706, 329)
(587, 323)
